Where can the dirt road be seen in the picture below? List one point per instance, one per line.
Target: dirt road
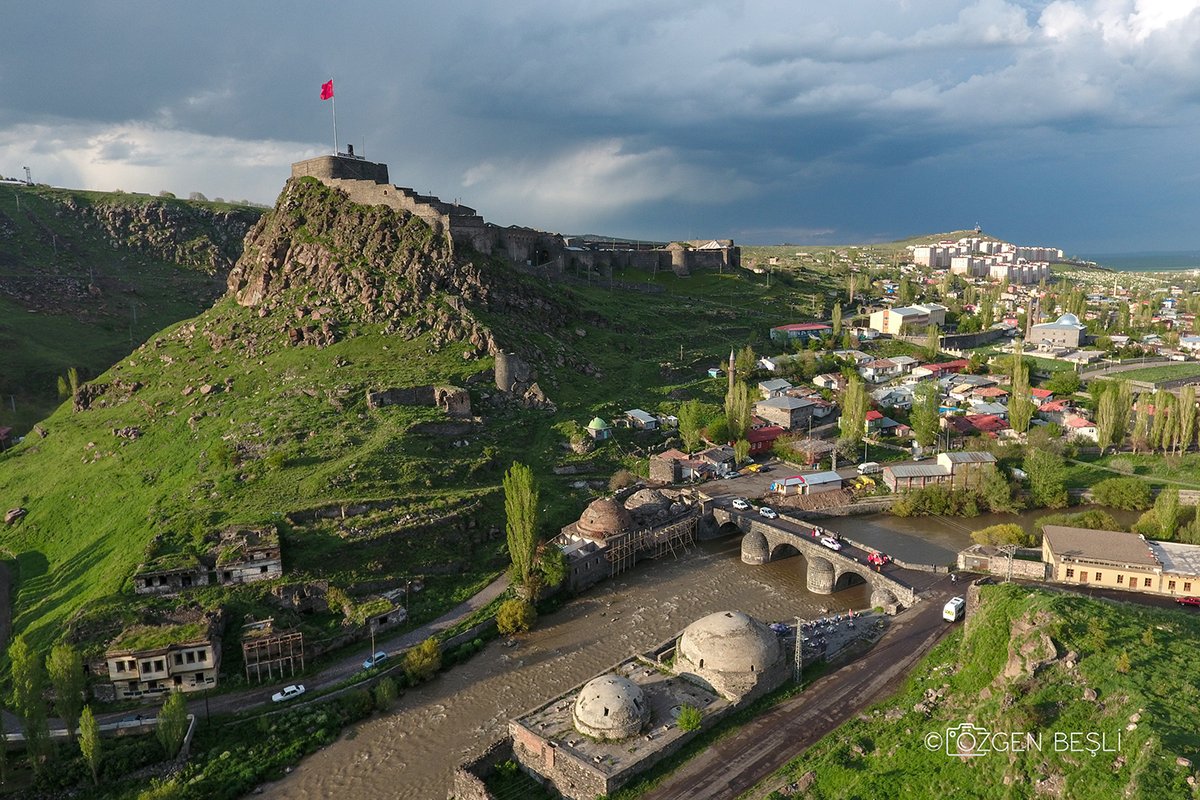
(739, 762)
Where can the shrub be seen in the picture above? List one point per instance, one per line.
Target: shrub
(1130, 494)
(690, 718)
(1006, 533)
(621, 479)
(385, 694)
(515, 616)
(423, 661)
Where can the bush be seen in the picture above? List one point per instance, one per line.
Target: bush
(515, 616)
(1130, 494)
(690, 718)
(1006, 533)
(385, 694)
(621, 479)
(423, 661)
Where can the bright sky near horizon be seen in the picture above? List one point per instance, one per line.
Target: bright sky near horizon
(1071, 123)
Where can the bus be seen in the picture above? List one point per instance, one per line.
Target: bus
(955, 608)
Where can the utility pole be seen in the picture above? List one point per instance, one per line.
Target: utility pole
(1010, 550)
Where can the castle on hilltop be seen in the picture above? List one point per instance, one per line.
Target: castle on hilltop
(367, 183)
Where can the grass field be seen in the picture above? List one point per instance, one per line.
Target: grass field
(1164, 372)
(1138, 661)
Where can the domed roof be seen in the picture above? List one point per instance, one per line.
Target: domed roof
(611, 707)
(1067, 319)
(729, 641)
(647, 501)
(598, 424)
(603, 518)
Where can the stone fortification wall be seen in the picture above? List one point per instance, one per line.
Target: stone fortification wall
(468, 780)
(327, 168)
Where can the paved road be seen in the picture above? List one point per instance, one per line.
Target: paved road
(331, 675)
(739, 762)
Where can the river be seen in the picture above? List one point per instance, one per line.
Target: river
(411, 751)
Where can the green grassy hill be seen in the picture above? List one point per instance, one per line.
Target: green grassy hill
(257, 413)
(1044, 663)
(86, 276)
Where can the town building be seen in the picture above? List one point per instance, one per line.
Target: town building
(1066, 331)
(247, 555)
(151, 660)
(773, 387)
(642, 420)
(906, 319)
(1102, 558)
(599, 430)
(800, 330)
(601, 735)
(787, 412)
(959, 469)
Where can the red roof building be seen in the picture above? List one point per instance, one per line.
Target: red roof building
(763, 439)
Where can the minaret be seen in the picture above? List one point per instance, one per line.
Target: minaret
(731, 372)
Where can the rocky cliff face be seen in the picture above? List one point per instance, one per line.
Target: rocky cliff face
(321, 261)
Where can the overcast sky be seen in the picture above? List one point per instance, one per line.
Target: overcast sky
(1073, 123)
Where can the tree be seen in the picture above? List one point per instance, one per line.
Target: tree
(718, 430)
(691, 422)
(29, 704)
(1064, 383)
(65, 668)
(1161, 415)
(1047, 479)
(741, 452)
(996, 492)
(551, 565)
(515, 616)
(89, 742)
(1167, 512)
(745, 362)
(1020, 402)
(854, 412)
(423, 661)
(924, 416)
(737, 410)
(932, 342)
(69, 386)
(1140, 439)
(1130, 494)
(197, 196)
(1187, 417)
(1106, 420)
(1006, 533)
(1123, 665)
(172, 724)
(521, 515)
(836, 319)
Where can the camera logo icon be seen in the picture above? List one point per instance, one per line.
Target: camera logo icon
(966, 740)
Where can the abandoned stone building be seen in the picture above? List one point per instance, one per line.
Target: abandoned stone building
(599, 736)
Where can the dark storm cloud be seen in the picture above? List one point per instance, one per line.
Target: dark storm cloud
(1064, 121)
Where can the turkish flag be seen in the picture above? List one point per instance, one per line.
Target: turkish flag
(327, 90)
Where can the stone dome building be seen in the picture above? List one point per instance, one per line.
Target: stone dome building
(603, 518)
(610, 707)
(647, 503)
(732, 652)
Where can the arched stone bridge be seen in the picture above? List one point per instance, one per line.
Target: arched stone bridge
(766, 540)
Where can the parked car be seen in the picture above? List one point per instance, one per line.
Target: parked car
(1188, 601)
(732, 474)
(870, 468)
(831, 543)
(740, 504)
(768, 512)
(375, 660)
(288, 692)
(753, 468)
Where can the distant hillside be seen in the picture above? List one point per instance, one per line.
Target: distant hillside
(86, 276)
(256, 412)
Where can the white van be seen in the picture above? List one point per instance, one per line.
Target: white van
(870, 468)
(954, 610)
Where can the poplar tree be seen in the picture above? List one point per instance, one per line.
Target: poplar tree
(1020, 402)
(1106, 420)
(691, 421)
(1141, 425)
(836, 319)
(29, 704)
(1161, 415)
(65, 668)
(932, 342)
(854, 412)
(737, 410)
(89, 742)
(924, 416)
(521, 515)
(172, 724)
(1187, 418)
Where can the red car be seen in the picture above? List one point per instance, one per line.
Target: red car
(1188, 601)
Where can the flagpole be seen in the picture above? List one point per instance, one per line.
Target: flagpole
(334, 99)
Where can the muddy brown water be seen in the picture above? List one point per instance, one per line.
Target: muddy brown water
(411, 751)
